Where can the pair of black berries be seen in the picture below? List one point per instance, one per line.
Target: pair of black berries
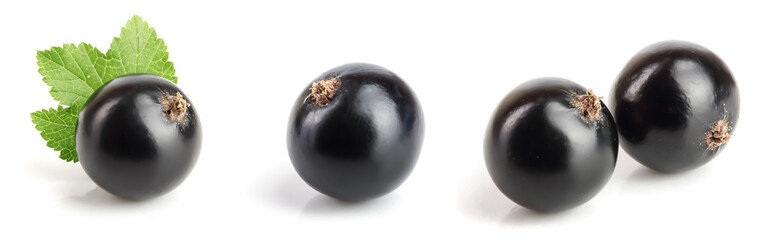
(356, 133)
(552, 145)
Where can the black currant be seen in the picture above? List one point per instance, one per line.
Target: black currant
(138, 136)
(356, 133)
(676, 105)
(551, 145)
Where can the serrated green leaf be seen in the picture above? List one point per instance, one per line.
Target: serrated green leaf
(58, 128)
(73, 72)
(138, 50)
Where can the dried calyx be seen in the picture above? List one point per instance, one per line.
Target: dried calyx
(589, 105)
(174, 107)
(718, 134)
(324, 91)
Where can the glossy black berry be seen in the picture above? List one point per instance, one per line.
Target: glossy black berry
(676, 105)
(551, 145)
(355, 132)
(138, 136)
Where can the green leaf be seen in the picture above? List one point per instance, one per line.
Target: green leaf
(138, 50)
(73, 72)
(58, 128)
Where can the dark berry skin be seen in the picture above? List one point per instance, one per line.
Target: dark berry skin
(667, 98)
(128, 146)
(542, 154)
(363, 143)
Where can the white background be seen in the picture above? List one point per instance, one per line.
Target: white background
(243, 64)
